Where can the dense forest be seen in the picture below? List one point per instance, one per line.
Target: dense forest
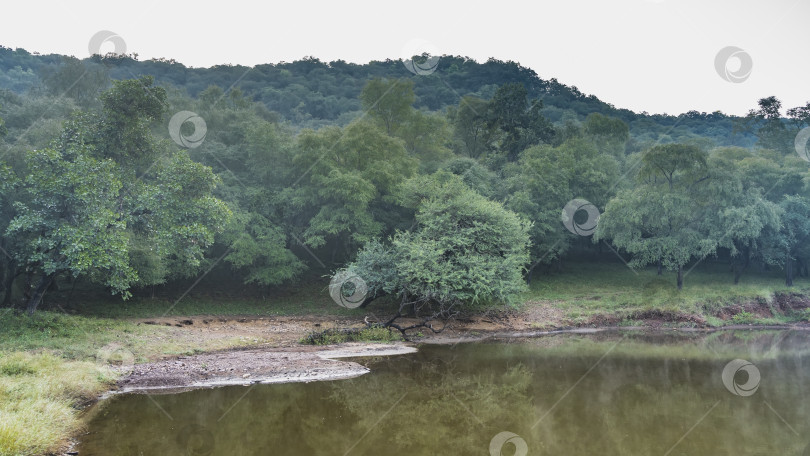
(444, 188)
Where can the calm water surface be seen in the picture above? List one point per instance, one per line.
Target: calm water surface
(606, 394)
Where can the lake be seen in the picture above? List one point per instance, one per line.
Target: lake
(609, 393)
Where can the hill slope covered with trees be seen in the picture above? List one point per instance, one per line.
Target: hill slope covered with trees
(444, 188)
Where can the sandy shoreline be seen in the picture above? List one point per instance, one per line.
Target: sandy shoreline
(251, 366)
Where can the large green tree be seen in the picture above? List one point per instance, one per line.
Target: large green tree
(470, 126)
(517, 120)
(253, 156)
(463, 249)
(345, 179)
(662, 220)
(545, 179)
(90, 213)
(790, 243)
(739, 210)
(388, 102)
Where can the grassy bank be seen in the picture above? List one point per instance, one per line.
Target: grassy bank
(54, 362)
(47, 370)
(51, 364)
(39, 396)
(614, 291)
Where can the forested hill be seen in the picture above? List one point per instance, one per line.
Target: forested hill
(312, 93)
(138, 175)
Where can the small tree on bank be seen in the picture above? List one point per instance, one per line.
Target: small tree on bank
(464, 249)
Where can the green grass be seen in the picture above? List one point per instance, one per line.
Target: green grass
(73, 337)
(331, 336)
(588, 289)
(39, 397)
(52, 363)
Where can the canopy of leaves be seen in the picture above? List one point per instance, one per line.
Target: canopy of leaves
(462, 249)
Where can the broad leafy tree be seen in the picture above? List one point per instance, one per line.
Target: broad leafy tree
(517, 120)
(662, 220)
(464, 249)
(545, 179)
(345, 183)
(470, 129)
(388, 102)
(90, 213)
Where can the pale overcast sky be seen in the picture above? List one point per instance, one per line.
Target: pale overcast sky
(645, 55)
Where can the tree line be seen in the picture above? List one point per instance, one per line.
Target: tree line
(440, 208)
(310, 93)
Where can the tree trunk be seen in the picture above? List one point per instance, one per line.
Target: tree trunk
(72, 288)
(680, 277)
(36, 298)
(4, 274)
(738, 272)
(789, 271)
(529, 274)
(660, 267)
(8, 283)
(29, 278)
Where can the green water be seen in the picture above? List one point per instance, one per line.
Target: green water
(604, 394)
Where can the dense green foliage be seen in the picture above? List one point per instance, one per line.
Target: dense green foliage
(463, 248)
(445, 188)
(312, 93)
